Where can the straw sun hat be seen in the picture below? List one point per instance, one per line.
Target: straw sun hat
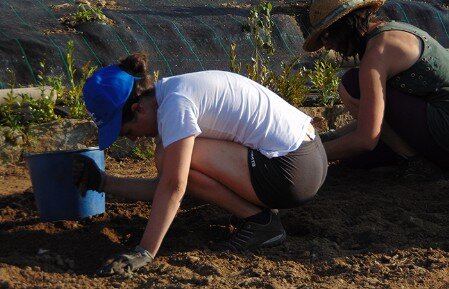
(324, 13)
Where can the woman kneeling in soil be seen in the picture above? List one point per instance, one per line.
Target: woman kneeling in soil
(225, 138)
(400, 92)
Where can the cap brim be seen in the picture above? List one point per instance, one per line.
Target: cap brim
(109, 132)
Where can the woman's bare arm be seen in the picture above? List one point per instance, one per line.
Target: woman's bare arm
(169, 193)
(386, 55)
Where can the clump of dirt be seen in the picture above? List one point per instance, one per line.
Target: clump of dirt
(59, 30)
(365, 229)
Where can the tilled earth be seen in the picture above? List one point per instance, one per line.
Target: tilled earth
(365, 229)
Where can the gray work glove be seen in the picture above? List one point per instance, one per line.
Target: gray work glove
(87, 175)
(125, 262)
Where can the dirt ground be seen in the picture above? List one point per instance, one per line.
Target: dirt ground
(363, 230)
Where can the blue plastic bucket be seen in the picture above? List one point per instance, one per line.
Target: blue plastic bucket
(57, 198)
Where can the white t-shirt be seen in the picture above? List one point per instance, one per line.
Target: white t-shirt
(227, 106)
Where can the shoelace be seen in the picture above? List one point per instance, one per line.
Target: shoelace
(239, 240)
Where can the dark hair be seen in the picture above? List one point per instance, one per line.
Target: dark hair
(137, 65)
(347, 34)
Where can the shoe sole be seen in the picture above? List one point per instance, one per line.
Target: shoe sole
(275, 241)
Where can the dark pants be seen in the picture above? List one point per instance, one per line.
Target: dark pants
(407, 115)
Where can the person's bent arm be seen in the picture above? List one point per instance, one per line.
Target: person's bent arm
(386, 55)
(373, 73)
(169, 193)
(138, 189)
(88, 176)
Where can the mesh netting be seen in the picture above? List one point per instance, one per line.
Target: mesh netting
(181, 36)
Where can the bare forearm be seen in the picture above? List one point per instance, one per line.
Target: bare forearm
(138, 189)
(163, 211)
(344, 147)
(170, 190)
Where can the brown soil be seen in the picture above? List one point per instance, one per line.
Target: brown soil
(363, 230)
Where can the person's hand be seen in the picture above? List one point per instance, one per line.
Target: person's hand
(129, 261)
(87, 175)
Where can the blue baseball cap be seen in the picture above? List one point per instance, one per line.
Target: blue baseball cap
(105, 94)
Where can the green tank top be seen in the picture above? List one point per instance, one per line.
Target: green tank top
(427, 78)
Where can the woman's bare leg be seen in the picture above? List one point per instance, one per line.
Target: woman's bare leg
(219, 174)
(207, 189)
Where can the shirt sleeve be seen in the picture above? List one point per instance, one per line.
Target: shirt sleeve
(177, 119)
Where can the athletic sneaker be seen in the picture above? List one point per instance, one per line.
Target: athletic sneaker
(235, 222)
(250, 236)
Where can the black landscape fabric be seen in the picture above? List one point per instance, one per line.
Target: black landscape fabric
(180, 36)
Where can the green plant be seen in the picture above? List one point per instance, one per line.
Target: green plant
(8, 115)
(233, 65)
(17, 111)
(324, 77)
(155, 76)
(290, 84)
(144, 152)
(87, 13)
(259, 25)
(36, 110)
(72, 96)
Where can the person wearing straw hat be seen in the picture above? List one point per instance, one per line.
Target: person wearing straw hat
(229, 140)
(399, 94)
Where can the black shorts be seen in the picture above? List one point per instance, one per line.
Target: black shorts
(291, 180)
